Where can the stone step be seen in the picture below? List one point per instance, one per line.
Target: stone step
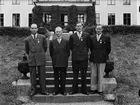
(50, 74)
(69, 68)
(67, 99)
(49, 63)
(68, 88)
(50, 81)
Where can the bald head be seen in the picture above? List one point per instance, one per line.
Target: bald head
(33, 28)
(58, 31)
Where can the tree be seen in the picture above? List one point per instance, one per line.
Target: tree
(37, 15)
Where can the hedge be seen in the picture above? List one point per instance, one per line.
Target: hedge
(117, 29)
(14, 31)
(112, 30)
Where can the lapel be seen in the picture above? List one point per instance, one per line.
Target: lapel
(32, 40)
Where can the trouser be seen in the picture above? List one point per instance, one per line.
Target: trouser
(83, 79)
(97, 73)
(60, 78)
(41, 75)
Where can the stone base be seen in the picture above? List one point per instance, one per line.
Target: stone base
(22, 89)
(109, 87)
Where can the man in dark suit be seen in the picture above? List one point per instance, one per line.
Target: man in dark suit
(79, 45)
(59, 52)
(35, 47)
(100, 48)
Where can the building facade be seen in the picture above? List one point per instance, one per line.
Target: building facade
(108, 12)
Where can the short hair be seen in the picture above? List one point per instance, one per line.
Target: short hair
(58, 28)
(79, 22)
(99, 25)
(33, 24)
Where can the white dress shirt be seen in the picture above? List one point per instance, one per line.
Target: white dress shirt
(98, 36)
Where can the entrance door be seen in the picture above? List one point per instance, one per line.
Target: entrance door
(64, 19)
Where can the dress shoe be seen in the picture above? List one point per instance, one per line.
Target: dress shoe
(92, 91)
(55, 93)
(45, 93)
(99, 92)
(32, 93)
(86, 93)
(64, 93)
(71, 93)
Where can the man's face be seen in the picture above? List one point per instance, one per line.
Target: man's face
(33, 29)
(79, 27)
(58, 33)
(99, 29)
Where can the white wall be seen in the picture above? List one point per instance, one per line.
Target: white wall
(8, 9)
(24, 9)
(138, 13)
(118, 9)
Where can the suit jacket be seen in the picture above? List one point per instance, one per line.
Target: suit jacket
(36, 50)
(59, 53)
(79, 47)
(100, 49)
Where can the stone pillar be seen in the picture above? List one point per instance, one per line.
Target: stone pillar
(109, 86)
(22, 89)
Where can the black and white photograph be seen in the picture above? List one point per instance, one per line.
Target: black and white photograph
(69, 52)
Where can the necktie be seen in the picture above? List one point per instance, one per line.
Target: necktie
(79, 35)
(59, 40)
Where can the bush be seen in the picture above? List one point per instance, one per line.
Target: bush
(121, 29)
(113, 30)
(14, 31)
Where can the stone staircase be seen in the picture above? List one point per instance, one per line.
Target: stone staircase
(69, 79)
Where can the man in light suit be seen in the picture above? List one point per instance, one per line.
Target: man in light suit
(35, 47)
(59, 52)
(100, 48)
(79, 45)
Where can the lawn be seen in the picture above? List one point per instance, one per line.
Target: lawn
(125, 53)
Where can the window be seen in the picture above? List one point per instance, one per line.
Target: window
(16, 2)
(127, 19)
(30, 19)
(126, 2)
(97, 18)
(97, 2)
(81, 18)
(1, 19)
(16, 20)
(1, 2)
(47, 18)
(111, 2)
(31, 2)
(111, 18)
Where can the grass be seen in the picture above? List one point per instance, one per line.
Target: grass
(125, 53)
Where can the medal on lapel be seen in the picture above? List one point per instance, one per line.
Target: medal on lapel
(100, 41)
(38, 41)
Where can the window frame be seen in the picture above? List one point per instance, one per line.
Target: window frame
(17, 2)
(16, 19)
(111, 14)
(1, 2)
(126, 2)
(99, 17)
(126, 18)
(1, 18)
(111, 2)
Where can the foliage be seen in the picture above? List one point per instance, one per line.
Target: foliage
(121, 29)
(37, 15)
(72, 20)
(14, 31)
(91, 16)
(55, 17)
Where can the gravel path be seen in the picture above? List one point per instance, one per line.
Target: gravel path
(85, 103)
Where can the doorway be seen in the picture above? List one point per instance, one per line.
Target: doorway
(64, 19)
